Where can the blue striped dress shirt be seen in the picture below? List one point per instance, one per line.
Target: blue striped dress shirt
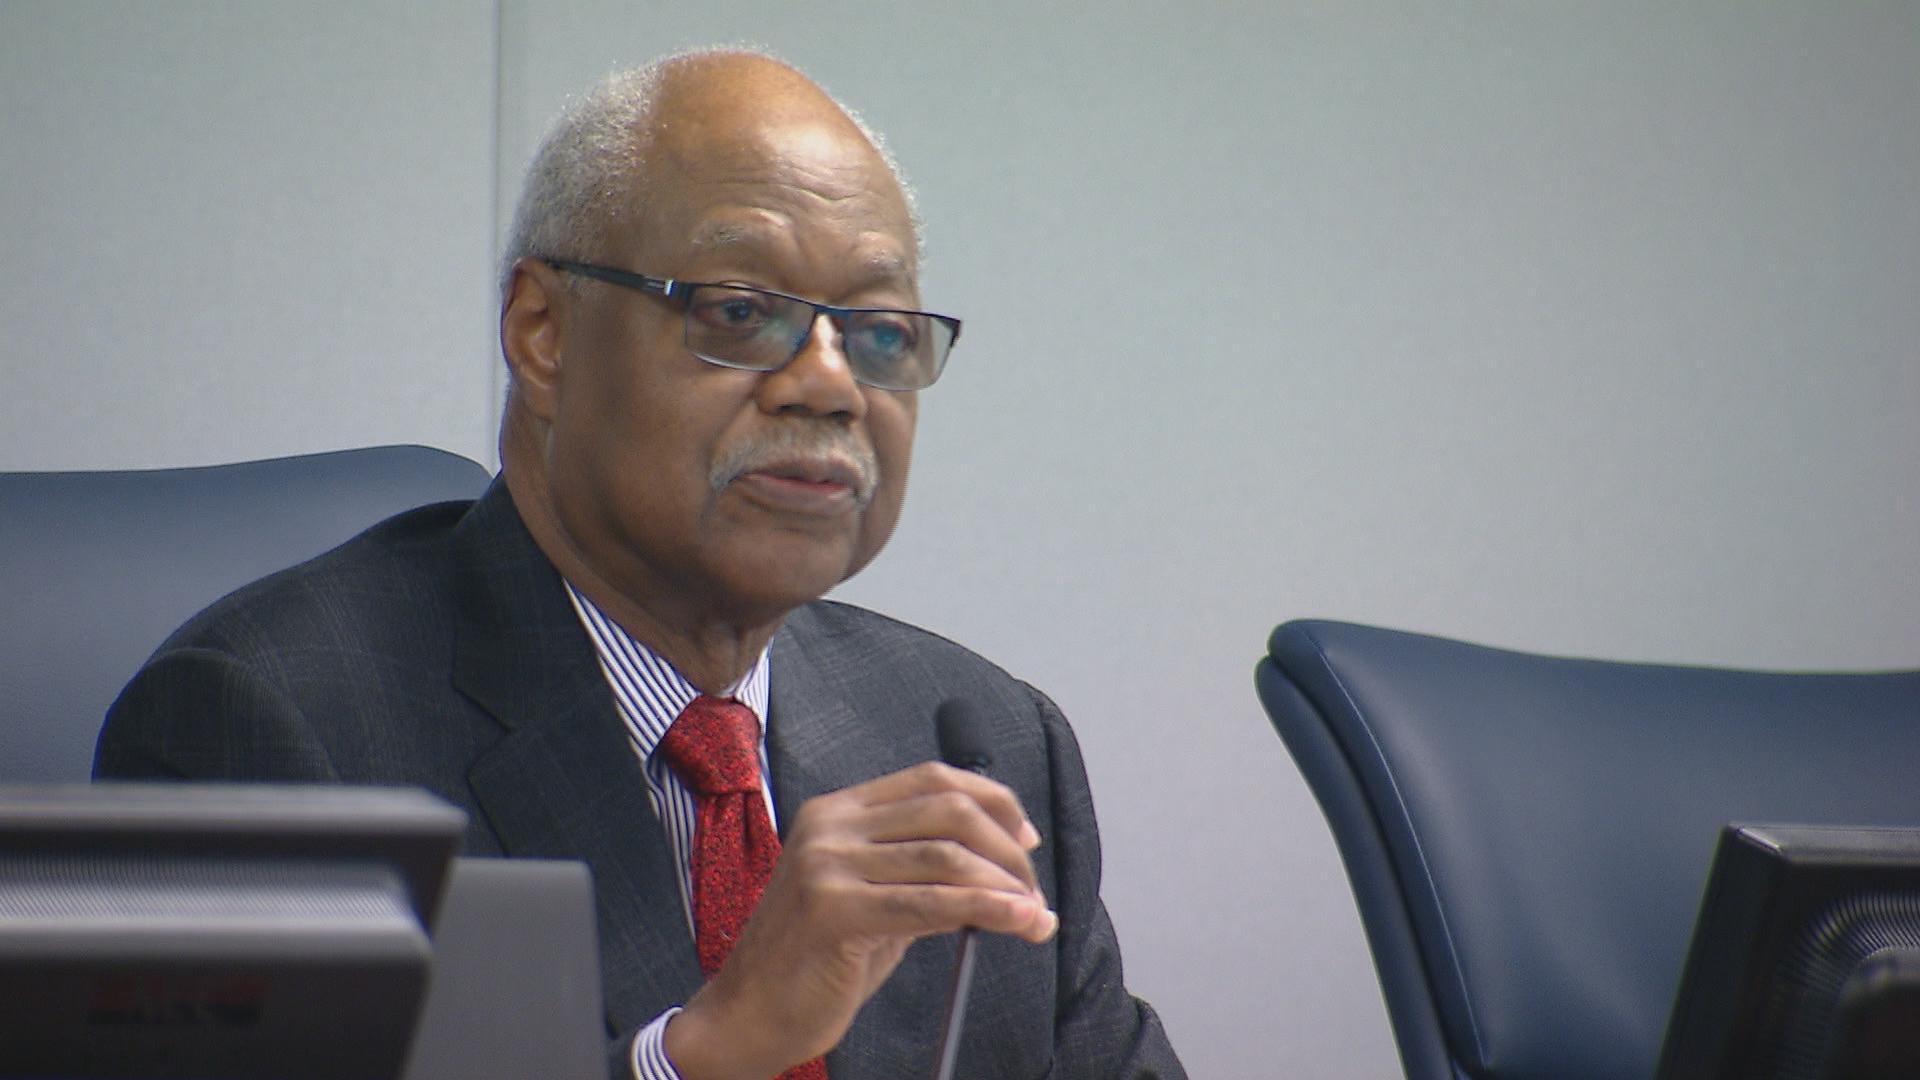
(650, 694)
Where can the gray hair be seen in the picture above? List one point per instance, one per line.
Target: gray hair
(590, 169)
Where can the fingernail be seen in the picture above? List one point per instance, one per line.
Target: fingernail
(1029, 835)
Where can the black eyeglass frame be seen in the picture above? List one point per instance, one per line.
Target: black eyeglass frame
(682, 291)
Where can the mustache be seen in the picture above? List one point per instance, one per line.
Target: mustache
(821, 445)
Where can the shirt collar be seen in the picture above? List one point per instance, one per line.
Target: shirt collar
(649, 690)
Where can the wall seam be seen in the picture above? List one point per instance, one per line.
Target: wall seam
(496, 388)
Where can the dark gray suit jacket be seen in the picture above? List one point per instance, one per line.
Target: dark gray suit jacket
(438, 649)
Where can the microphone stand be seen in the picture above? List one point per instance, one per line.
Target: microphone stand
(957, 1004)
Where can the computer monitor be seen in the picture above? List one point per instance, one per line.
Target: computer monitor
(216, 930)
(1805, 961)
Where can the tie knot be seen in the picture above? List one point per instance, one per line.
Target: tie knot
(714, 746)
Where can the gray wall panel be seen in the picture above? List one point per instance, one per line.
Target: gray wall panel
(236, 230)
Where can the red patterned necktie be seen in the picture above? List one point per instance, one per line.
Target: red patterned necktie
(714, 747)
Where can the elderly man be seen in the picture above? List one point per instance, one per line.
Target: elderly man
(711, 317)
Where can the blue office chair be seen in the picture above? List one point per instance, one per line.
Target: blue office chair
(1528, 837)
(96, 568)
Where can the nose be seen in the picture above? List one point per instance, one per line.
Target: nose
(818, 381)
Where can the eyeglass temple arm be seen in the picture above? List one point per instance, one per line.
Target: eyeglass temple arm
(659, 286)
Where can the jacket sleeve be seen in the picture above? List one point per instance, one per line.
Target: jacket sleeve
(1101, 1031)
(200, 713)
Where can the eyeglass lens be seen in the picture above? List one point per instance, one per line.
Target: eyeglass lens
(747, 328)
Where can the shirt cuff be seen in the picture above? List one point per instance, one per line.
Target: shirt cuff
(650, 1050)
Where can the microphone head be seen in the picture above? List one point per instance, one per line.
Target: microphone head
(962, 733)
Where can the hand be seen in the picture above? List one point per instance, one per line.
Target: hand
(865, 872)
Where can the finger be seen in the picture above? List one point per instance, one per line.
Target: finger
(954, 817)
(935, 862)
(998, 800)
(922, 910)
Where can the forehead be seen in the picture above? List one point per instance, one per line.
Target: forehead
(806, 196)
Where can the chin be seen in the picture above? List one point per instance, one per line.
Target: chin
(776, 583)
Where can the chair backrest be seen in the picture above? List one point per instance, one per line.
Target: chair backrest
(96, 568)
(1528, 837)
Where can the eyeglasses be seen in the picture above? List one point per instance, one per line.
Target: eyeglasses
(738, 326)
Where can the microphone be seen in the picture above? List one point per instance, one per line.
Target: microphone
(962, 734)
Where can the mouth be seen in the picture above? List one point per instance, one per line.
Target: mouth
(807, 485)
(815, 472)
(804, 470)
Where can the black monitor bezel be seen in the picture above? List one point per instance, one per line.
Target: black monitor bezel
(1767, 885)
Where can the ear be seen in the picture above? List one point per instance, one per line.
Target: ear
(531, 333)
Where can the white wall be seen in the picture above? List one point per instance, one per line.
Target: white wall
(1584, 329)
(238, 230)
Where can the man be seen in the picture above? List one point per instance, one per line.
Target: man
(710, 316)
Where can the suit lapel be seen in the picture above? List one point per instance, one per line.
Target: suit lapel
(819, 739)
(564, 782)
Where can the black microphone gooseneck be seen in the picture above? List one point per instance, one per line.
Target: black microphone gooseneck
(962, 733)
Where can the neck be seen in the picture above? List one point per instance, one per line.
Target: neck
(712, 651)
